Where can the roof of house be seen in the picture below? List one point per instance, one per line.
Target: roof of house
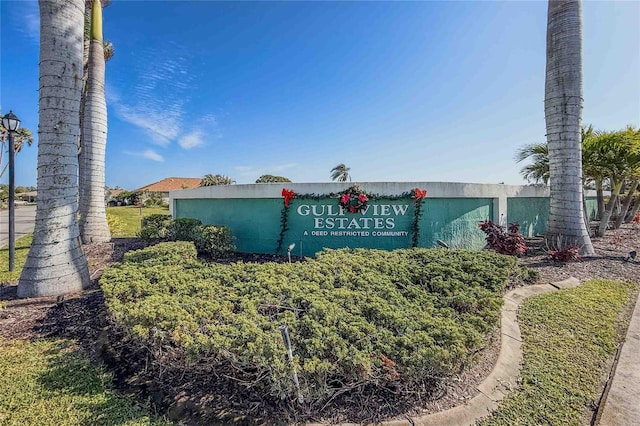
(115, 192)
(171, 184)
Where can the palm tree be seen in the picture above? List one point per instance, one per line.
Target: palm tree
(211, 180)
(538, 170)
(21, 136)
(619, 154)
(56, 264)
(340, 173)
(93, 216)
(632, 136)
(563, 109)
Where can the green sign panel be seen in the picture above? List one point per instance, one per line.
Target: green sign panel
(313, 224)
(383, 224)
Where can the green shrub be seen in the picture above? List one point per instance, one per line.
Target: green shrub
(116, 226)
(183, 229)
(216, 241)
(169, 253)
(154, 227)
(362, 318)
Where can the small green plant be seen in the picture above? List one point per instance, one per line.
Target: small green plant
(215, 241)
(183, 229)
(154, 227)
(115, 225)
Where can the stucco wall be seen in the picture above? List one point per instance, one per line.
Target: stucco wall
(451, 213)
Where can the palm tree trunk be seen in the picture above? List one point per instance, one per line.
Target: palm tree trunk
(93, 216)
(563, 108)
(56, 263)
(627, 204)
(600, 197)
(606, 217)
(635, 209)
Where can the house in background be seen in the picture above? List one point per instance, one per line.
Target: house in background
(161, 188)
(111, 196)
(28, 197)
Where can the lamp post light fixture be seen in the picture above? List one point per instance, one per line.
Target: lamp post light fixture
(11, 123)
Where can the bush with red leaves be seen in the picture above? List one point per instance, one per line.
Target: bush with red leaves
(566, 254)
(503, 242)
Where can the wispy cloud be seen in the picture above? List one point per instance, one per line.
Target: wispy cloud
(148, 154)
(28, 20)
(152, 155)
(191, 140)
(156, 101)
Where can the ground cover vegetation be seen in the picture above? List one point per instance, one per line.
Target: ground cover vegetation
(569, 338)
(21, 250)
(369, 325)
(49, 382)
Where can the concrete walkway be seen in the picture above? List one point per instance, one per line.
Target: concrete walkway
(622, 402)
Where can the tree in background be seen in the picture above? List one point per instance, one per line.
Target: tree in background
(21, 136)
(563, 111)
(271, 179)
(93, 216)
(340, 173)
(617, 155)
(609, 159)
(211, 180)
(56, 264)
(538, 170)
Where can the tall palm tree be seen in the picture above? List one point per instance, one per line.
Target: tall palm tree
(56, 263)
(93, 216)
(340, 173)
(563, 110)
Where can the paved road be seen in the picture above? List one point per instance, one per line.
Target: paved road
(25, 221)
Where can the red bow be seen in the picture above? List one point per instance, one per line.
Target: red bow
(288, 195)
(419, 194)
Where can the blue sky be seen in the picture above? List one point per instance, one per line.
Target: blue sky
(398, 91)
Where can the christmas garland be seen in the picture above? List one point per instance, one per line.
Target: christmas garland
(352, 200)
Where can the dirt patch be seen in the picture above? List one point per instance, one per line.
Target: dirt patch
(203, 397)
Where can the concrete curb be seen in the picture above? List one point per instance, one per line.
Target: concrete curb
(504, 376)
(621, 405)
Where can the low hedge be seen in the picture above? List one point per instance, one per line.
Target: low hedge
(357, 318)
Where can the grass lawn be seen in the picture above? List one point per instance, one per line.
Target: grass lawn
(22, 248)
(569, 337)
(48, 382)
(125, 220)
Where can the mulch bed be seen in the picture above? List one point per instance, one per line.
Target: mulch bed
(200, 397)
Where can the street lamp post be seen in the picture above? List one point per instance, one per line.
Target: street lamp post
(11, 123)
